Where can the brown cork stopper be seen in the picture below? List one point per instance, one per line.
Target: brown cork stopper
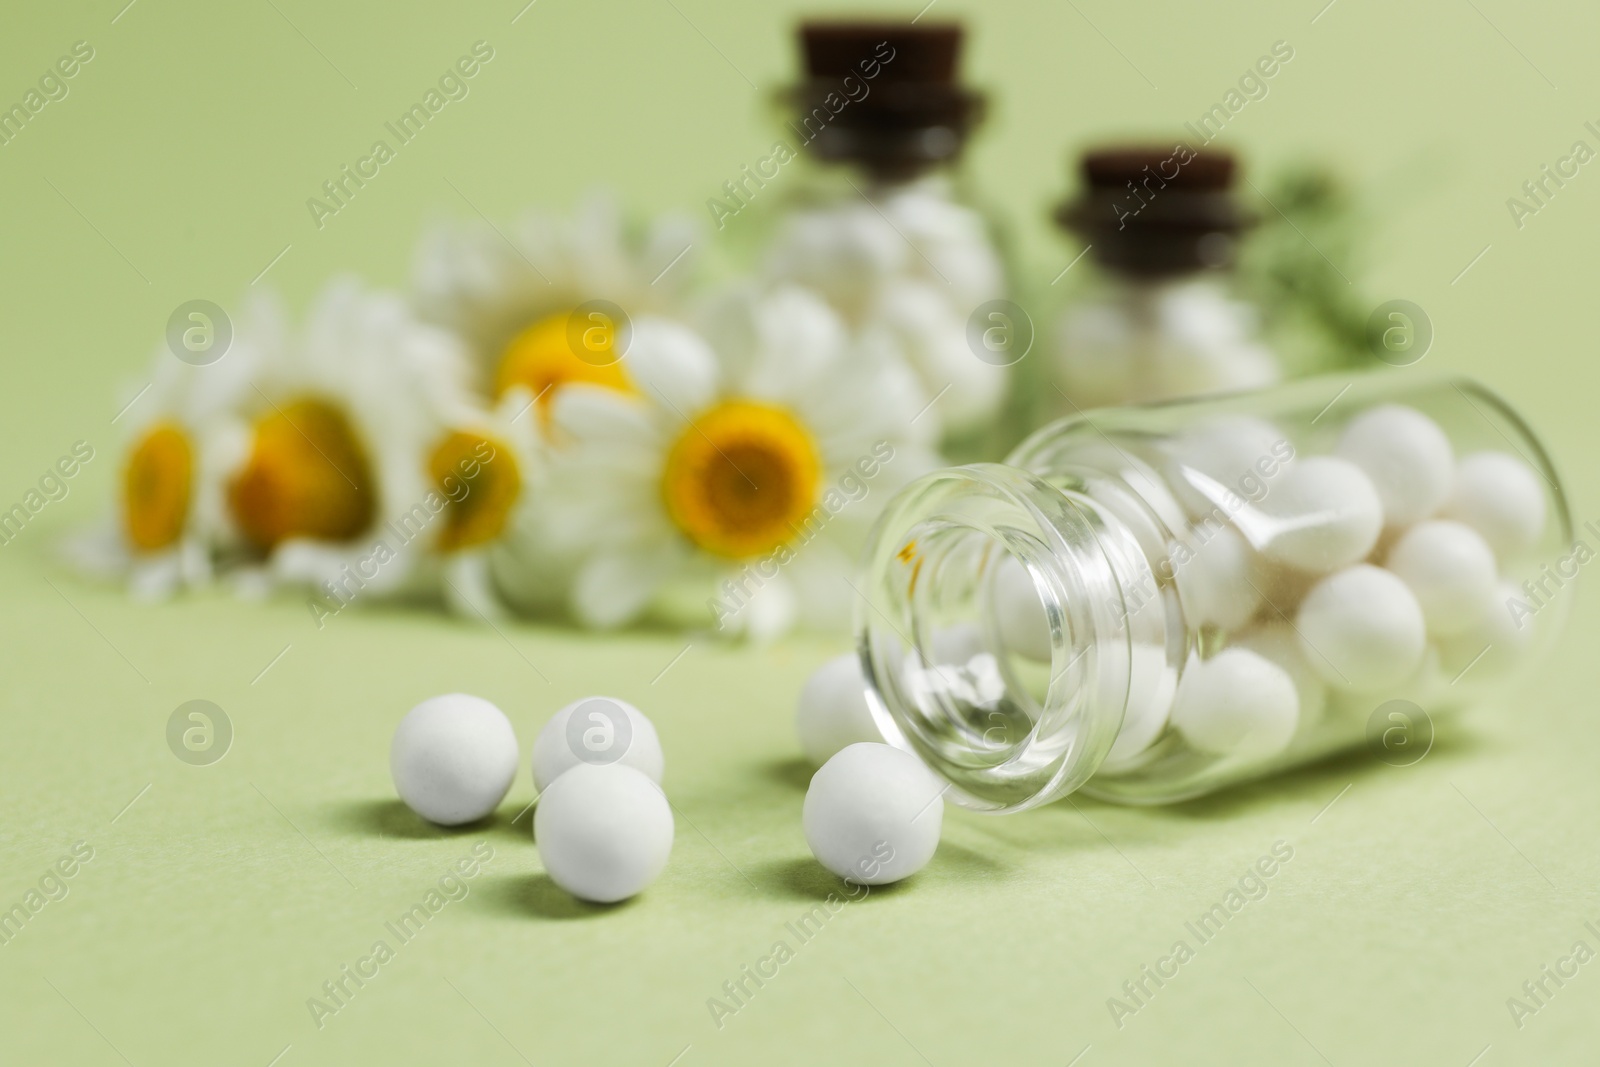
(1157, 211)
(883, 95)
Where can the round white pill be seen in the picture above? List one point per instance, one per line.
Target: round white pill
(1212, 566)
(1277, 641)
(1019, 613)
(604, 831)
(1151, 685)
(832, 712)
(1322, 514)
(1499, 496)
(873, 813)
(1407, 456)
(1237, 703)
(1362, 629)
(1229, 457)
(596, 730)
(1491, 647)
(453, 758)
(1426, 686)
(1451, 571)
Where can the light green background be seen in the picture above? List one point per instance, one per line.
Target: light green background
(218, 902)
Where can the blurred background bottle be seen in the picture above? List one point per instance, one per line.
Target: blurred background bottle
(1154, 311)
(863, 201)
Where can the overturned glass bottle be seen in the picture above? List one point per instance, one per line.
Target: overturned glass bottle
(1153, 603)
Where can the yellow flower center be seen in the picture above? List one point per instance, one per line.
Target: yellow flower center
(156, 484)
(307, 476)
(479, 477)
(741, 478)
(557, 351)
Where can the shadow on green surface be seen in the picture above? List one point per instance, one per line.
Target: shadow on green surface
(1086, 825)
(391, 818)
(1321, 780)
(524, 895)
(794, 772)
(803, 878)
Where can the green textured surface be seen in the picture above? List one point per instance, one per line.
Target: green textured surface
(224, 896)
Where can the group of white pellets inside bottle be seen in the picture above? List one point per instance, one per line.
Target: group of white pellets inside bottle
(1311, 588)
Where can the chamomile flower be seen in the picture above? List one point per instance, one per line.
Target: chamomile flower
(512, 294)
(743, 476)
(180, 439)
(370, 468)
(488, 465)
(914, 264)
(481, 468)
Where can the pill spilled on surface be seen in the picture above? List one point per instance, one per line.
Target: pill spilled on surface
(873, 814)
(453, 758)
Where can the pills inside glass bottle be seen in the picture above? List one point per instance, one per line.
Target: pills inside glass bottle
(1167, 600)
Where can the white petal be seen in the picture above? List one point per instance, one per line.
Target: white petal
(672, 364)
(584, 413)
(155, 577)
(253, 584)
(194, 563)
(821, 573)
(727, 320)
(530, 572)
(468, 589)
(611, 590)
(311, 563)
(770, 613)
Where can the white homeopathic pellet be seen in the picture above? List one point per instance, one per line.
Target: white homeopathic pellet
(1494, 644)
(453, 758)
(1362, 629)
(606, 730)
(1228, 457)
(1322, 514)
(832, 711)
(1237, 703)
(1019, 613)
(873, 813)
(1151, 685)
(1277, 641)
(1499, 496)
(1450, 569)
(604, 831)
(1407, 456)
(1212, 567)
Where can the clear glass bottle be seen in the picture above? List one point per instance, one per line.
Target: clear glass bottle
(865, 203)
(1167, 600)
(1152, 315)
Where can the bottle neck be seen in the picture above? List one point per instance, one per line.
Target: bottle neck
(1007, 619)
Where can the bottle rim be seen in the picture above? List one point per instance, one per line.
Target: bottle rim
(933, 550)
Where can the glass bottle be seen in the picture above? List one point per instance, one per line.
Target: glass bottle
(1167, 600)
(866, 205)
(1152, 315)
